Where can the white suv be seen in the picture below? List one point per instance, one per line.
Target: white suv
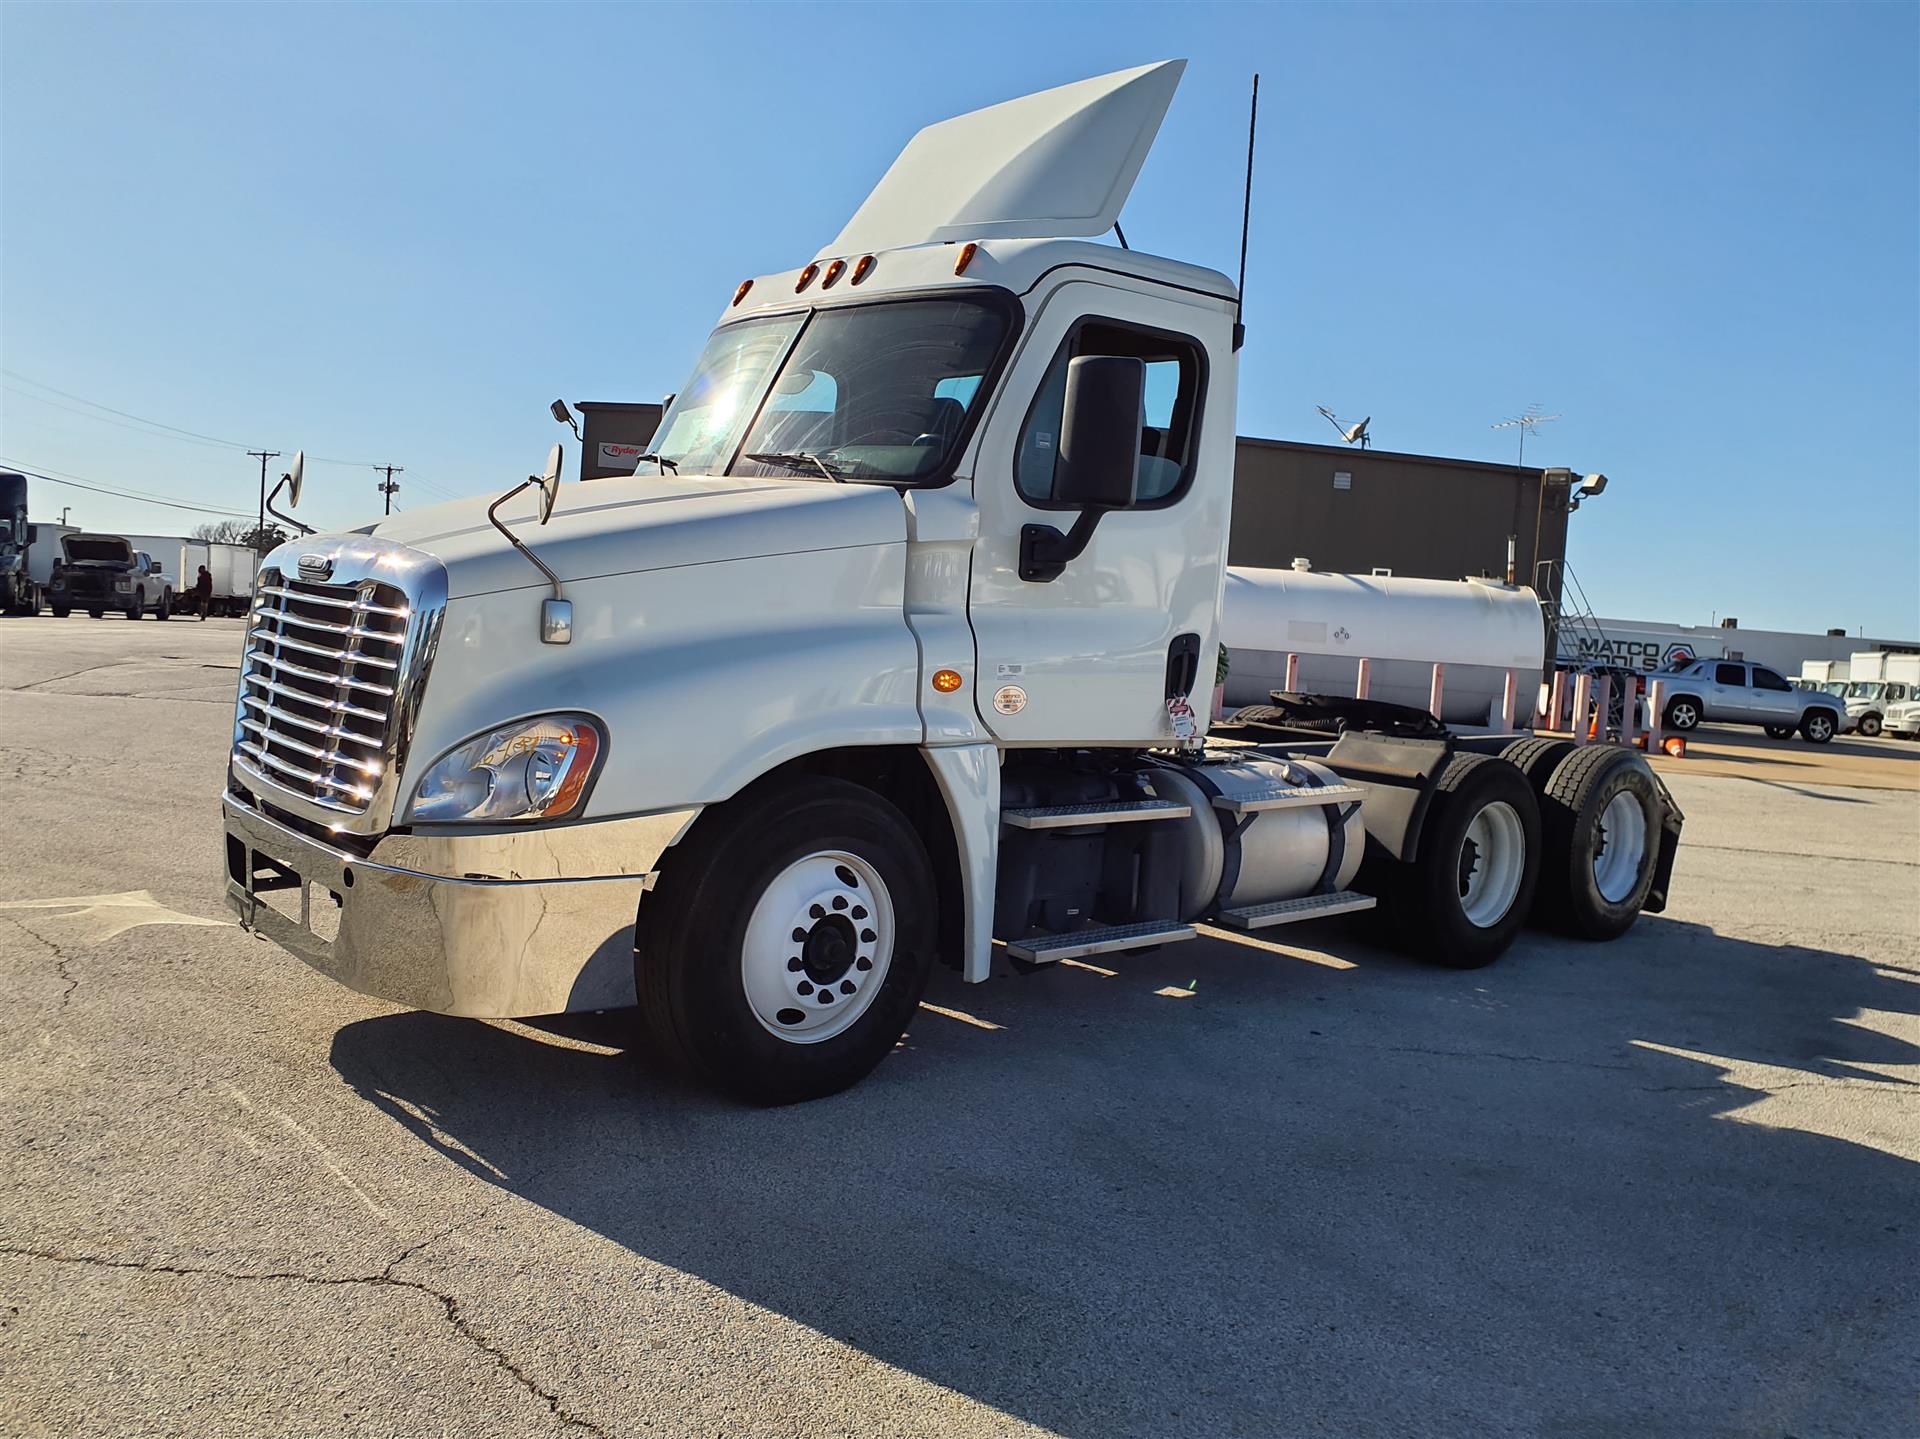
(1735, 692)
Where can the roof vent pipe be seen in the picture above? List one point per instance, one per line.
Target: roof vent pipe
(1302, 563)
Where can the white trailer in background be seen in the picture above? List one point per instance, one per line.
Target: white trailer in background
(232, 566)
(1877, 680)
(1470, 644)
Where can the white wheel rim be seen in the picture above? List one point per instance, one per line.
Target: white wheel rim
(1493, 858)
(1620, 847)
(818, 946)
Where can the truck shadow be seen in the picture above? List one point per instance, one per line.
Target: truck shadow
(1226, 1192)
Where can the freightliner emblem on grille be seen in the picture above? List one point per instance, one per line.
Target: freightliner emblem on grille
(316, 567)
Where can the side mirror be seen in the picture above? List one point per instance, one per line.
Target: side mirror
(1099, 458)
(1100, 428)
(295, 477)
(558, 409)
(549, 481)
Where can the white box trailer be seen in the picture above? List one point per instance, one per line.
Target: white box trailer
(1877, 680)
(890, 660)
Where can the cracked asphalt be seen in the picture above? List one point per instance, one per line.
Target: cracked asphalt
(1669, 1186)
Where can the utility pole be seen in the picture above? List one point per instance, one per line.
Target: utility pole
(387, 487)
(260, 525)
(63, 513)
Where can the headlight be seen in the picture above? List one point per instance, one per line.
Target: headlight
(531, 769)
(123, 585)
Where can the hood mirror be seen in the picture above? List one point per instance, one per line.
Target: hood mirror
(550, 481)
(558, 409)
(295, 477)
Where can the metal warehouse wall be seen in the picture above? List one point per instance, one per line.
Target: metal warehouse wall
(1416, 515)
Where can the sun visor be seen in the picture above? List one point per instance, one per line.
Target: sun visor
(1054, 164)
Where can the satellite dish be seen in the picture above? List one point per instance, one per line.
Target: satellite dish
(294, 477)
(549, 483)
(1357, 434)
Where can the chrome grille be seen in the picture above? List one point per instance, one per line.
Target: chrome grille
(318, 686)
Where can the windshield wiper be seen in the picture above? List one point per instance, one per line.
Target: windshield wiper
(798, 460)
(662, 461)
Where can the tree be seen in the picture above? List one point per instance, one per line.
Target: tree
(239, 532)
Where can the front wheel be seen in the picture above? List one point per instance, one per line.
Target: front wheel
(60, 612)
(1870, 725)
(1817, 727)
(1779, 731)
(1683, 713)
(788, 942)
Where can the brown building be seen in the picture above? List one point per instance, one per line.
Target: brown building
(1353, 511)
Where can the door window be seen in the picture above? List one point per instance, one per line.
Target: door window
(1168, 438)
(1766, 679)
(1730, 675)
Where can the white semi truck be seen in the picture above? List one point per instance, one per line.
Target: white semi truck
(892, 654)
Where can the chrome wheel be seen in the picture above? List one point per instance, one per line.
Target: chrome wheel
(817, 947)
(1683, 715)
(1493, 861)
(1819, 729)
(1620, 848)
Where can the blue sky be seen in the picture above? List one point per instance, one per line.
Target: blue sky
(394, 233)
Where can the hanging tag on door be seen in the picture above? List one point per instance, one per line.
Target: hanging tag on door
(1181, 716)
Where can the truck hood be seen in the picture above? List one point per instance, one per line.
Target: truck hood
(647, 522)
(98, 549)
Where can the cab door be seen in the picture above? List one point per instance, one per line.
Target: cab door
(1093, 655)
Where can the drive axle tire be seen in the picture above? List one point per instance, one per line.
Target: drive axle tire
(788, 941)
(1600, 836)
(1683, 713)
(1779, 731)
(1467, 893)
(1537, 758)
(1818, 726)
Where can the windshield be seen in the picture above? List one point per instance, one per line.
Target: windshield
(862, 392)
(1864, 690)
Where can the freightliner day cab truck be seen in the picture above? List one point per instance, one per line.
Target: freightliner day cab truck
(892, 654)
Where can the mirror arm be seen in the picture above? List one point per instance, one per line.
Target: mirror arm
(287, 519)
(514, 540)
(1045, 553)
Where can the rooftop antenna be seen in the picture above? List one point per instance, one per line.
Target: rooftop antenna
(1246, 216)
(1352, 434)
(1527, 423)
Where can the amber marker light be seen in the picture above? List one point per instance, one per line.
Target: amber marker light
(946, 681)
(835, 269)
(966, 258)
(741, 293)
(861, 268)
(806, 278)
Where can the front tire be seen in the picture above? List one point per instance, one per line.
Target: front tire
(1870, 726)
(1683, 713)
(60, 612)
(1818, 726)
(788, 942)
(1779, 731)
(1465, 896)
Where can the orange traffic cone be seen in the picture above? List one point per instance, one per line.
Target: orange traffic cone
(1676, 746)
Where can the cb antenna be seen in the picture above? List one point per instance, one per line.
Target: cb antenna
(1527, 423)
(1246, 216)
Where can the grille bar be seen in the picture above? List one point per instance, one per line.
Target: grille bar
(319, 715)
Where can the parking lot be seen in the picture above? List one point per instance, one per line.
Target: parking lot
(1669, 1186)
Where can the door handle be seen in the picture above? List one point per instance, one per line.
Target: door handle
(1183, 664)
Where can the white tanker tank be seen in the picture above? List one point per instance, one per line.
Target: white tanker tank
(1479, 629)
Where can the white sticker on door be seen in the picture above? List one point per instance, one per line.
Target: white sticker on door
(1009, 699)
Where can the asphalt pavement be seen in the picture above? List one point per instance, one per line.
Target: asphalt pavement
(1668, 1186)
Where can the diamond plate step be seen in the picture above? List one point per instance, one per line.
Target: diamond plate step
(1102, 939)
(1287, 911)
(1286, 796)
(1113, 811)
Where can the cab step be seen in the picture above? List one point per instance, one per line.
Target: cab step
(1098, 939)
(1286, 796)
(1288, 911)
(1114, 811)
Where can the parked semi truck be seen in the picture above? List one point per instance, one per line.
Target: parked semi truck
(890, 655)
(29, 549)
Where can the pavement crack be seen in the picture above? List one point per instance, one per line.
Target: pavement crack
(55, 679)
(450, 1306)
(1834, 858)
(61, 959)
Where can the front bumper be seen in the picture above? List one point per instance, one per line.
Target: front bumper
(493, 925)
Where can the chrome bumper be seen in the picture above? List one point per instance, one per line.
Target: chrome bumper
(491, 925)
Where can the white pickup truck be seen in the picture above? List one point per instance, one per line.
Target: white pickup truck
(893, 654)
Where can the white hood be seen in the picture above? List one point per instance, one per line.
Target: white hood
(619, 526)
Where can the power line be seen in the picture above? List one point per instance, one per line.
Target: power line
(120, 424)
(124, 414)
(58, 478)
(389, 487)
